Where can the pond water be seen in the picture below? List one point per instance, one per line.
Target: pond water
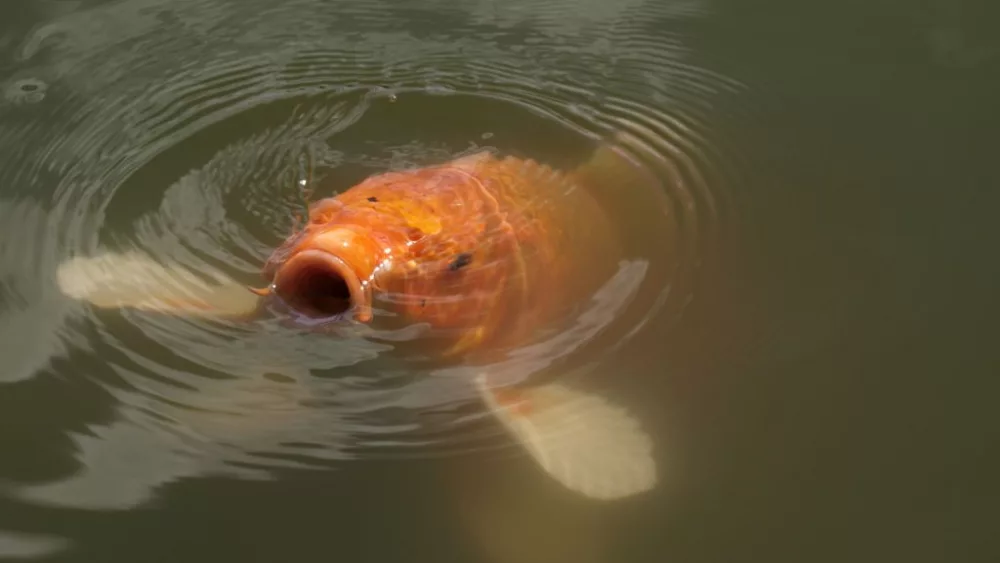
(801, 319)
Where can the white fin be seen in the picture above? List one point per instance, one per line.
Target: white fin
(581, 440)
(136, 281)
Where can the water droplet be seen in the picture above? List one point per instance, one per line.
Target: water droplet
(487, 135)
(26, 91)
(383, 92)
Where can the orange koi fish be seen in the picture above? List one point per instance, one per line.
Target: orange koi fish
(484, 250)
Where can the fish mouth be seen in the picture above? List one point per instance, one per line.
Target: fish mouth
(321, 285)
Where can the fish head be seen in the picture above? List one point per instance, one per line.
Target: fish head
(363, 241)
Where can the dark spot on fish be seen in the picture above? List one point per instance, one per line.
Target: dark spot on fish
(373, 199)
(461, 261)
(423, 302)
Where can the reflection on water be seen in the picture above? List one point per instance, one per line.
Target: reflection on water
(29, 546)
(195, 133)
(755, 322)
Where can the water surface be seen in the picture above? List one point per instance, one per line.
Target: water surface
(801, 318)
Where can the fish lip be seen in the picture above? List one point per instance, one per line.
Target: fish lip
(360, 301)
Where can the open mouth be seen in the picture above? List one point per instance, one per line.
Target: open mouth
(321, 285)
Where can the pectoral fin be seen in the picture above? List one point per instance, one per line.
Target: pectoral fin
(581, 440)
(135, 281)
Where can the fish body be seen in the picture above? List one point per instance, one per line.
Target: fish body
(486, 251)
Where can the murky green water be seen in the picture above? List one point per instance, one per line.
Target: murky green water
(803, 321)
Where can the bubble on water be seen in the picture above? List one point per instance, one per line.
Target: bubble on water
(26, 91)
(383, 92)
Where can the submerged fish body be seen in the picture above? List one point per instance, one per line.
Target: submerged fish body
(487, 249)
(484, 250)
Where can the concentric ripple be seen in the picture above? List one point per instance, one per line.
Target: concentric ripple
(197, 133)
